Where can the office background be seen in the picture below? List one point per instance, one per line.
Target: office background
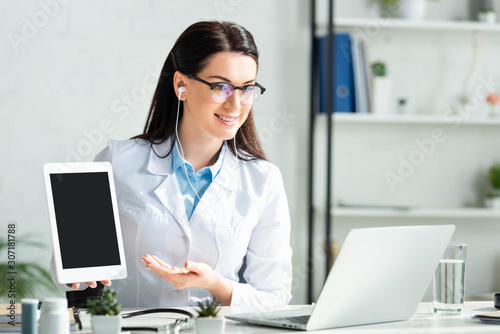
(75, 74)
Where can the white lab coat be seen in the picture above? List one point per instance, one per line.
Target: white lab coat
(244, 210)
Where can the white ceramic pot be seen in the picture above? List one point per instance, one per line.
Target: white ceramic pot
(106, 324)
(413, 9)
(211, 325)
(493, 203)
(489, 17)
(381, 90)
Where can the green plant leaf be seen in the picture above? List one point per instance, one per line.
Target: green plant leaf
(494, 175)
(210, 309)
(379, 69)
(29, 280)
(107, 305)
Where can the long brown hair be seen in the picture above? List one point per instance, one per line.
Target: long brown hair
(192, 51)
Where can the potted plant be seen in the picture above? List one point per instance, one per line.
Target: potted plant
(381, 88)
(408, 9)
(208, 320)
(493, 100)
(402, 105)
(487, 15)
(493, 198)
(106, 317)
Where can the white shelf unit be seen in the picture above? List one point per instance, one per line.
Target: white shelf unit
(416, 213)
(417, 119)
(389, 23)
(414, 119)
(477, 226)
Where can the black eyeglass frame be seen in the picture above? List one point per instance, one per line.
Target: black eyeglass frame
(213, 84)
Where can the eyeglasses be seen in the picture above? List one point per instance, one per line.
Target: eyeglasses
(222, 91)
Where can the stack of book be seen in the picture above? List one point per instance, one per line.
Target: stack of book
(351, 74)
(11, 322)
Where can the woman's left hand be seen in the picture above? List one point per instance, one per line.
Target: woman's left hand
(193, 275)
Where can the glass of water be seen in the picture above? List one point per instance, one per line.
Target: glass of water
(449, 280)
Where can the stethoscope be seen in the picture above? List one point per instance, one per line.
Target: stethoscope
(178, 325)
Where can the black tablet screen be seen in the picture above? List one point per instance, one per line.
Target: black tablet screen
(85, 219)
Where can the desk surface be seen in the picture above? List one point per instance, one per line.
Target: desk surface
(424, 321)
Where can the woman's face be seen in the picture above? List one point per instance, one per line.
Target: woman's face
(206, 117)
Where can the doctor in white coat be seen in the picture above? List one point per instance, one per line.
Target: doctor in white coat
(197, 199)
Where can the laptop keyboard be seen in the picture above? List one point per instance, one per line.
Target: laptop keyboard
(301, 319)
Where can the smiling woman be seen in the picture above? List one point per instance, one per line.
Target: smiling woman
(237, 57)
(198, 201)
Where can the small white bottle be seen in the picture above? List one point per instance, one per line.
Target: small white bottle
(55, 316)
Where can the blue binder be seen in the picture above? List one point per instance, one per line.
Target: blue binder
(343, 74)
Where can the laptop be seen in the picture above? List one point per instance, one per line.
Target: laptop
(380, 275)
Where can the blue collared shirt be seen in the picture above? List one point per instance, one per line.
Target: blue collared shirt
(200, 180)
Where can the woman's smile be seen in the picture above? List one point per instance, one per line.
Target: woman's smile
(227, 120)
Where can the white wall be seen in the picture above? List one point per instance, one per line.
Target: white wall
(76, 73)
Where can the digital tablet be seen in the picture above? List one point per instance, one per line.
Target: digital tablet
(84, 222)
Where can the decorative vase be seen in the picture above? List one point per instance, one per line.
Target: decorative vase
(413, 9)
(106, 324)
(210, 325)
(493, 203)
(381, 90)
(487, 17)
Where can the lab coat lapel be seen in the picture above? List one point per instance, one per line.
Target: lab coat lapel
(168, 192)
(229, 176)
(170, 196)
(214, 200)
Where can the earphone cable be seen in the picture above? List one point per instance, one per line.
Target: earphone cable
(217, 245)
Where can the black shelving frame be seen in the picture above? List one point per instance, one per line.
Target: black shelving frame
(313, 112)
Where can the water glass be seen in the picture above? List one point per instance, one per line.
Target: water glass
(449, 280)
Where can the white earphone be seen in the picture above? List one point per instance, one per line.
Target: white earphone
(181, 90)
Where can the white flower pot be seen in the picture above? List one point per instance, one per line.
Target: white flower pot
(210, 325)
(413, 9)
(381, 90)
(106, 324)
(489, 17)
(493, 203)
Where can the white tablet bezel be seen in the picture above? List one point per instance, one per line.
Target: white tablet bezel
(74, 275)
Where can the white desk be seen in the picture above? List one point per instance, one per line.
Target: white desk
(424, 321)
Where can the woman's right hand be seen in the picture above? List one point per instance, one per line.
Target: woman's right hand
(91, 284)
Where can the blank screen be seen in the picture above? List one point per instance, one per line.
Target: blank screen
(85, 220)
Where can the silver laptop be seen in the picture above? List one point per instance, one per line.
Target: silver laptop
(380, 275)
